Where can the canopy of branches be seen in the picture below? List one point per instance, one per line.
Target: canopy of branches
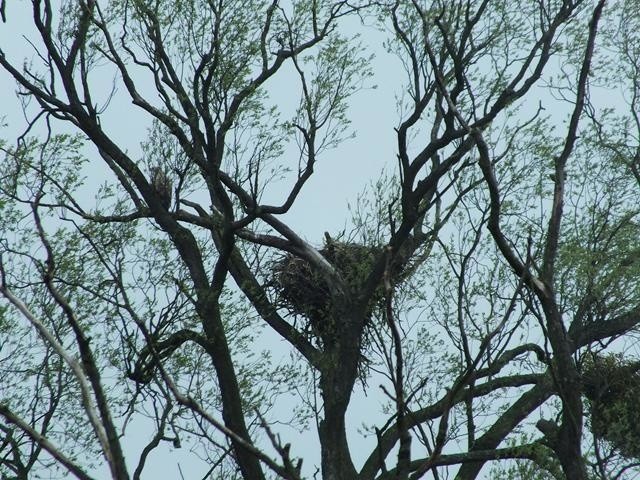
(168, 308)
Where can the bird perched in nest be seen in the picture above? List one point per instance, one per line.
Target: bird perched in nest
(163, 185)
(329, 243)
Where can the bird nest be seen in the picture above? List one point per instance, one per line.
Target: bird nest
(303, 291)
(612, 386)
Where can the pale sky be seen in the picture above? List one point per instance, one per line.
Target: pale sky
(339, 177)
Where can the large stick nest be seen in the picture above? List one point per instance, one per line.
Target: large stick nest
(612, 386)
(303, 291)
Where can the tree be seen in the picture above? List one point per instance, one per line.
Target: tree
(490, 268)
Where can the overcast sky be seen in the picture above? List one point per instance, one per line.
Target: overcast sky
(339, 177)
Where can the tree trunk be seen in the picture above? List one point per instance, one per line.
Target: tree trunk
(232, 411)
(336, 460)
(337, 378)
(569, 440)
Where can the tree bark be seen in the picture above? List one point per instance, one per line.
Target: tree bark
(337, 377)
(232, 411)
